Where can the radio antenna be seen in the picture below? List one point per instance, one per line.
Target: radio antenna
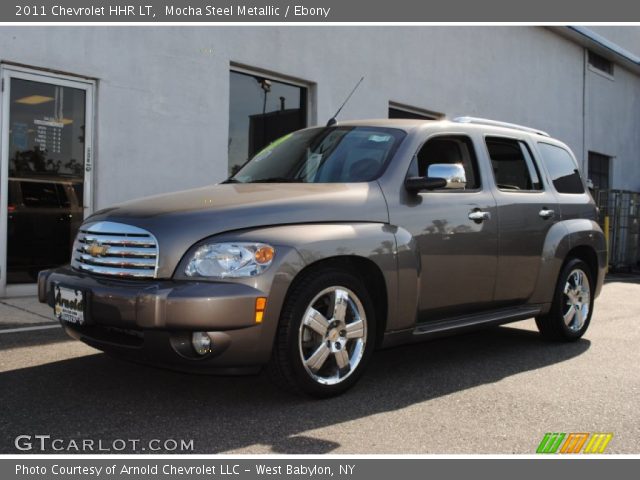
(332, 120)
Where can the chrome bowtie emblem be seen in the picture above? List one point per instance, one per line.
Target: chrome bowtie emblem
(96, 249)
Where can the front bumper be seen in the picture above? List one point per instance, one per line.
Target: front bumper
(152, 321)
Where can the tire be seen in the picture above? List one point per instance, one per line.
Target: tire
(321, 350)
(572, 306)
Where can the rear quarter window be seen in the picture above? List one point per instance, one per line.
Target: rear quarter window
(562, 168)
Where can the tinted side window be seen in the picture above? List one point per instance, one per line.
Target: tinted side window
(449, 149)
(562, 169)
(63, 197)
(13, 197)
(513, 167)
(536, 184)
(39, 194)
(78, 188)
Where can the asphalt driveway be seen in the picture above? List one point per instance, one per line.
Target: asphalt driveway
(495, 391)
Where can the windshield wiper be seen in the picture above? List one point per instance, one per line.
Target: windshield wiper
(231, 180)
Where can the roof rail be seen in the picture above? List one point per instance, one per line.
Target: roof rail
(495, 123)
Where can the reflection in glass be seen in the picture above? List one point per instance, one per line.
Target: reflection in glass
(46, 176)
(323, 155)
(260, 111)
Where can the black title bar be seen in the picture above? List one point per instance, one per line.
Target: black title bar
(320, 11)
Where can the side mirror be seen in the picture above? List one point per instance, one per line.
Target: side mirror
(439, 175)
(453, 173)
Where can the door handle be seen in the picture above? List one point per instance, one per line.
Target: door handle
(479, 216)
(546, 213)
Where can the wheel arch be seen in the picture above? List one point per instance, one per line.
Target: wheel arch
(588, 255)
(382, 255)
(576, 238)
(367, 271)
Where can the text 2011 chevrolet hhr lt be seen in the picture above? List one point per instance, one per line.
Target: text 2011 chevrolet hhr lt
(333, 241)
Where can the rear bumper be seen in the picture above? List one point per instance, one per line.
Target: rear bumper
(152, 321)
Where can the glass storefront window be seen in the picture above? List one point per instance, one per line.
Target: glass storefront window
(261, 110)
(46, 176)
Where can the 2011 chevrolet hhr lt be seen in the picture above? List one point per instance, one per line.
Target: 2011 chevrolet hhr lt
(335, 240)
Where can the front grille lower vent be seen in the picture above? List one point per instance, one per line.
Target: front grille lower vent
(115, 250)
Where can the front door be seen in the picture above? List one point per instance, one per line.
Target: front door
(456, 232)
(45, 177)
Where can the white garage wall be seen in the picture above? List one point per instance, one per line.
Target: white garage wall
(163, 92)
(613, 124)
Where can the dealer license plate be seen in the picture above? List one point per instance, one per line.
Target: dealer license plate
(69, 305)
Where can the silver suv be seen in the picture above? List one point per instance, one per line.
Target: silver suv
(333, 241)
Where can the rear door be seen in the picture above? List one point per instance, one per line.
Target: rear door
(526, 211)
(573, 199)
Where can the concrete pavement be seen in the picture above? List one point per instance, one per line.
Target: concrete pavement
(23, 311)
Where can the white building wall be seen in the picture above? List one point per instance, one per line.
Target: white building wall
(163, 92)
(613, 124)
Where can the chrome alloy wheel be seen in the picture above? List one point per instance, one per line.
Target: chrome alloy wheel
(577, 295)
(332, 335)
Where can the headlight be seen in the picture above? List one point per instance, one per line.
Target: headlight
(225, 260)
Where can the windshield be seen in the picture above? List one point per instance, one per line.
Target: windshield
(323, 155)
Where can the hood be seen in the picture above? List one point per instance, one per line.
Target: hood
(180, 219)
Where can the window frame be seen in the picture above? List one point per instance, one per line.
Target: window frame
(308, 93)
(534, 163)
(600, 157)
(479, 174)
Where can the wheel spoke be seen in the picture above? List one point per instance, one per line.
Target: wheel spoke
(568, 317)
(355, 329)
(342, 360)
(316, 321)
(577, 280)
(340, 303)
(315, 361)
(580, 319)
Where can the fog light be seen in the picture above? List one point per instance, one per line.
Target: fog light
(201, 342)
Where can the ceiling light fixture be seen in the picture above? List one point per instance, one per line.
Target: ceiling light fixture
(34, 100)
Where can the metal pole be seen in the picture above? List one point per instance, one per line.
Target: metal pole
(606, 239)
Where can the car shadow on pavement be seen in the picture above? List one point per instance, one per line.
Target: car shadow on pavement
(97, 397)
(32, 338)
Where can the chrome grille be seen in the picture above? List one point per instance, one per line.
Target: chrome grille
(115, 250)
